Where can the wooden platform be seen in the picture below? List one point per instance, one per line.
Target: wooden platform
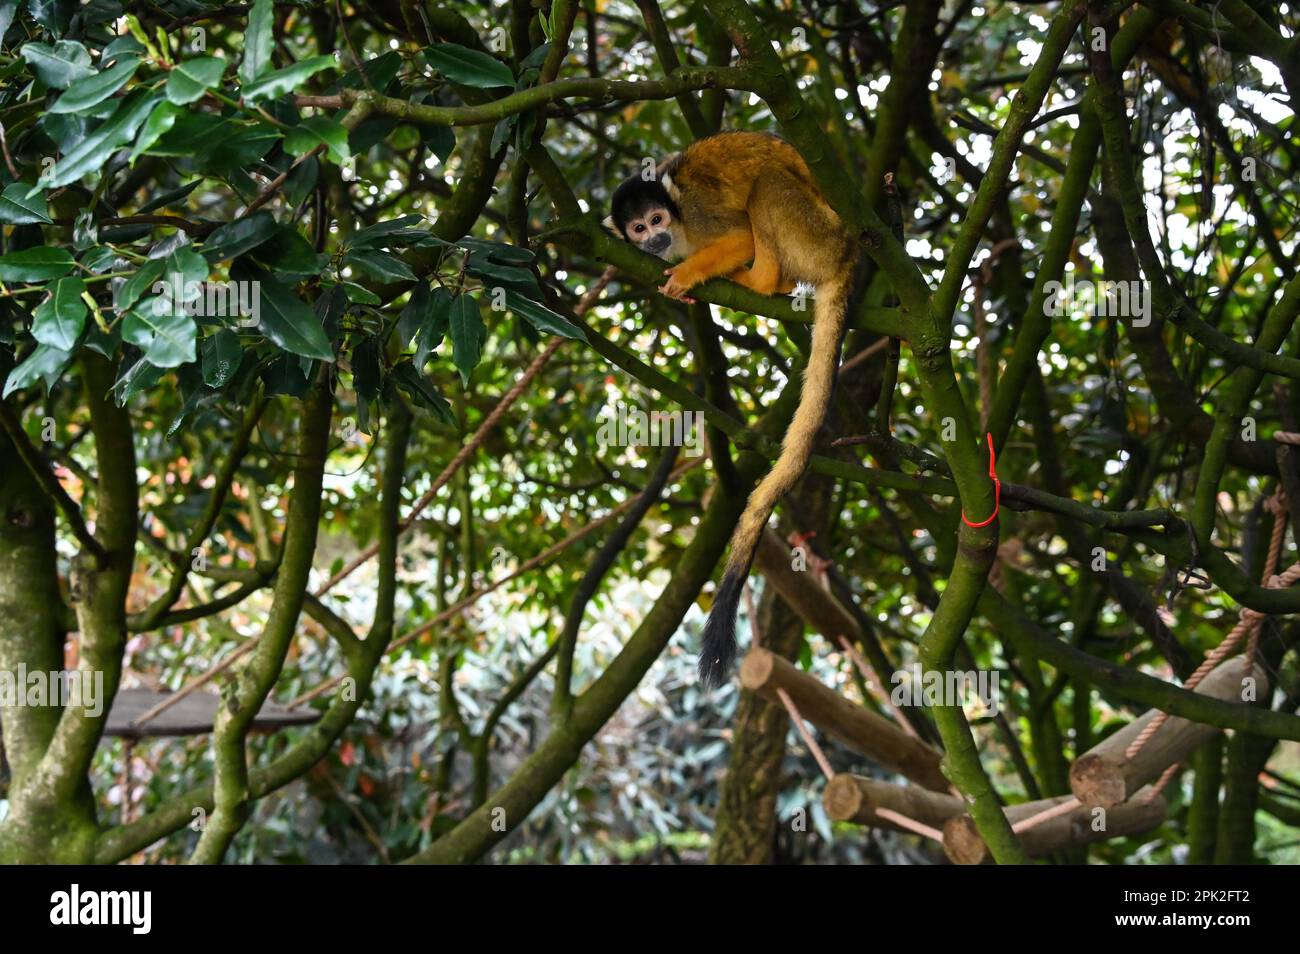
(193, 715)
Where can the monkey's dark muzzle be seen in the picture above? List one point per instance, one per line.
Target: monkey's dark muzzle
(658, 244)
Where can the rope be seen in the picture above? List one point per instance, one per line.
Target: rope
(813, 747)
(1249, 624)
(902, 821)
(1033, 821)
(1159, 786)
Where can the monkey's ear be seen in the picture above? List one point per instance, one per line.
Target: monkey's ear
(608, 222)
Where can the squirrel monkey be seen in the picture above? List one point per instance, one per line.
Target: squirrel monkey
(726, 202)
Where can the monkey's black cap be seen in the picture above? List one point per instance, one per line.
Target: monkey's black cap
(635, 197)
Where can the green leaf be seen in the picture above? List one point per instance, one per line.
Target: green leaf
(499, 251)
(190, 79)
(183, 267)
(139, 377)
(378, 234)
(130, 291)
(380, 265)
(366, 366)
(60, 65)
(441, 140)
(316, 131)
(160, 120)
(165, 333)
(167, 199)
(238, 237)
(377, 72)
(192, 133)
(121, 48)
(360, 294)
(414, 315)
(542, 318)
(279, 82)
(289, 321)
(434, 327)
(93, 90)
(509, 276)
(17, 208)
(55, 15)
(502, 133)
(93, 151)
(288, 254)
(8, 9)
(44, 362)
(37, 264)
(59, 320)
(410, 381)
(468, 67)
(221, 355)
(467, 335)
(259, 41)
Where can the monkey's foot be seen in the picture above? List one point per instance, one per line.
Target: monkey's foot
(676, 289)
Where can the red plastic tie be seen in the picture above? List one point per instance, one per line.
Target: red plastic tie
(997, 490)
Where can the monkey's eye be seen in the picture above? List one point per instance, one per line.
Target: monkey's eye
(656, 220)
(638, 228)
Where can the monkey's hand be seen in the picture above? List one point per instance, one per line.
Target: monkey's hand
(675, 288)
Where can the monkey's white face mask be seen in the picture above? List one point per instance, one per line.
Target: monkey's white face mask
(655, 232)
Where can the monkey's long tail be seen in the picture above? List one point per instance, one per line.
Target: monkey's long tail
(830, 308)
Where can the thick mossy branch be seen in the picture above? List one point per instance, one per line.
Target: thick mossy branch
(254, 680)
(684, 80)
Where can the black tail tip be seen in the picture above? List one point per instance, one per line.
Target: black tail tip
(718, 650)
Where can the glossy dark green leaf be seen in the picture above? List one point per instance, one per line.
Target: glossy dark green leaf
(366, 367)
(18, 208)
(259, 41)
(44, 362)
(59, 320)
(377, 235)
(421, 391)
(162, 330)
(38, 264)
(169, 198)
(434, 328)
(280, 82)
(441, 140)
(92, 90)
(288, 254)
(290, 322)
(542, 318)
(60, 65)
(93, 151)
(360, 294)
(238, 237)
(220, 355)
(161, 120)
(379, 265)
(468, 67)
(467, 335)
(133, 289)
(190, 79)
(317, 131)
